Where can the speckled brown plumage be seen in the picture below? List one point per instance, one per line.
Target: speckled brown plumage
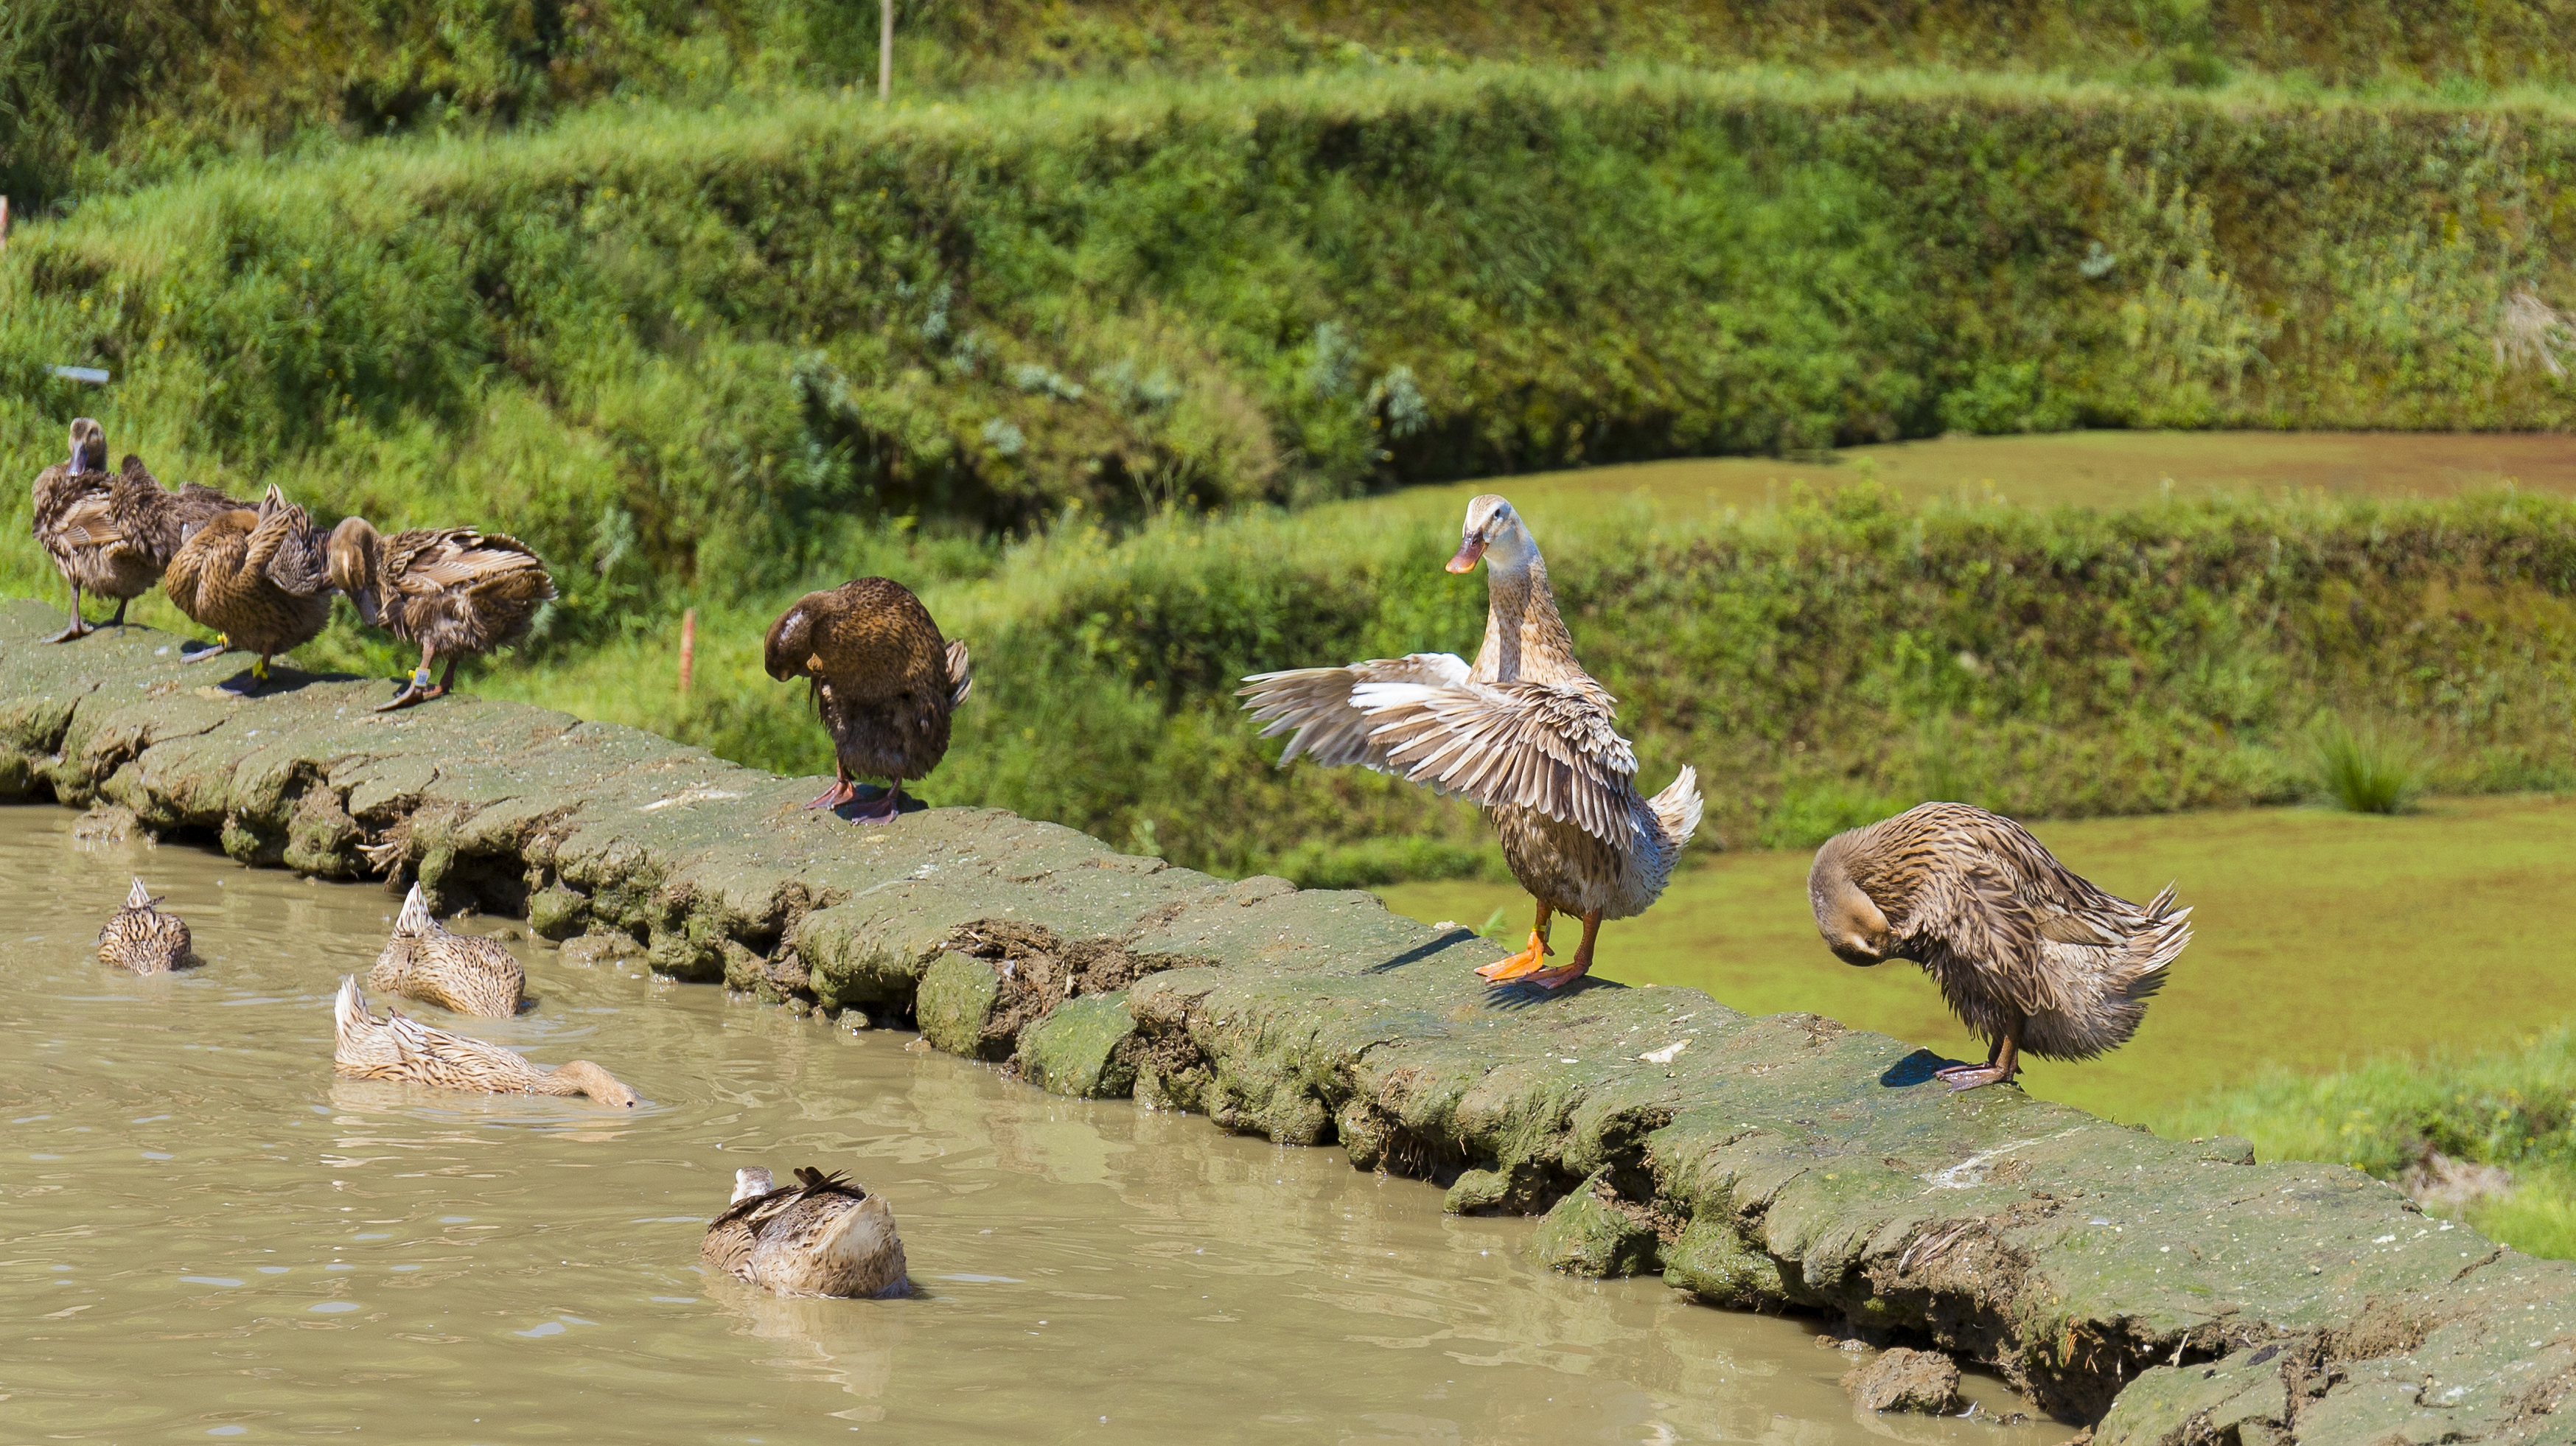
(884, 680)
(142, 939)
(819, 1236)
(257, 577)
(2029, 954)
(453, 590)
(455, 971)
(1525, 732)
(111, 533)
(400, 1048)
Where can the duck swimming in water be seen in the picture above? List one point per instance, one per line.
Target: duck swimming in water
(2030, 955)
(142, 939)
(400, 1048)
(1525, 732)
(456, 971)
(883, 678)
(453, 590)
(258, 578)
(819, 1236)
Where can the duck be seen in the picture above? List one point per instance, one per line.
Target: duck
(424, 961)
(819, 1236)
(1524, 732)
(883, 678)
(2032, 957)
(257, 577)
(142, 939)
(400, 1048)
(453, 590)
(112, 533)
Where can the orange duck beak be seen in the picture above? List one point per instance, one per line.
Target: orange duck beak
(1468, 552)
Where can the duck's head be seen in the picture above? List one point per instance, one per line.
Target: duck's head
(1850, 921)
(1494, 533)
(596, 1082)
(353, 552)
(788, 651)
(89, 445)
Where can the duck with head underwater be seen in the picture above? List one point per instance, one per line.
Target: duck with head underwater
(1524, 732)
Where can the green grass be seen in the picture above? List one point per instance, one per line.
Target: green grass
(2369, 769)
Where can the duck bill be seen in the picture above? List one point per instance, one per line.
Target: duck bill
(1468, 552)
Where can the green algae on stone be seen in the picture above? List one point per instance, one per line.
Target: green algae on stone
(1588, 1235)
(956, 997)
(1078, 1048)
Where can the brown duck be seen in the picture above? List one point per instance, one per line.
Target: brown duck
(142, 939)
(883, 678)
(819, 1236)
(2029, 955)
(258, 578)
(455, 971)
(112, 533)
(452, 590)
(400, 1048)
(1525, 732)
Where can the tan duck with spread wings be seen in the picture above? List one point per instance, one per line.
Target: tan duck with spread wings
(113, 533)
(141, 939)
(1525, 732)
(819, 1236)
(883, 678)
(453, 590)
(455, 971)
(406, 1051)
(258, 578)
(2031, 956)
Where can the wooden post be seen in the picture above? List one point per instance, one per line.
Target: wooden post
(688, 651)
(4, 223)
(885, 50)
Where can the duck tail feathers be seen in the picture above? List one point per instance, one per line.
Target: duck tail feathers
(961, 673)
(348, 1014)
(414, 918)
(2153, 949)
(1678, 806)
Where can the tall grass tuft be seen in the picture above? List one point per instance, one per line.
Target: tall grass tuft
(2367, 769)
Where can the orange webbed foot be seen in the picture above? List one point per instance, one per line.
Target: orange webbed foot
(1528, 961)
(1561, 975)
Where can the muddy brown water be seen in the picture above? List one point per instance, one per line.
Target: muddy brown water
(207, 1235)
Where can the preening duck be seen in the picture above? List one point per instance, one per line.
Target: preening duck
(1525, 732)
(400, 1048)
(258, 578)
(142, 939)
(2029, 954)
(883, 678)
(112, 533)
(453, 590)
(819, 1236)
(456, 971)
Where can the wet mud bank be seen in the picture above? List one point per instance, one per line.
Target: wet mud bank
(2166, 1292)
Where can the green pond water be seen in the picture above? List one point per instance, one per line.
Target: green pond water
(208, 1236)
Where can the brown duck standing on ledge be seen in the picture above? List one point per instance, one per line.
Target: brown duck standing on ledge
(819, 1236)
(258, 578)
(2029, 955)
(1525, 732)
(112, 533)
(406, 1051)
(883, 678)
(452, 590)
(455, 971)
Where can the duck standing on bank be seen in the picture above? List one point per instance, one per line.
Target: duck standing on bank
(454, 971)
(1525, 732)
(453, 590)
(883, 678)
(406, 1051)
(2030, 955)
(258, 578)
(819, 1236)
(112, 533)
(141, 939)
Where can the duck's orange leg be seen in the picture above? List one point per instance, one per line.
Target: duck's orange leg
(1529, 960)
(1564, 974)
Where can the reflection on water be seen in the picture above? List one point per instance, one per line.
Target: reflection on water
(208, 1234)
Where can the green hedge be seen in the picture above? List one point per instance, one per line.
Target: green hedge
(698, 352)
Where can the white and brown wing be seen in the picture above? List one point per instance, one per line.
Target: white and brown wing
(1550, 747)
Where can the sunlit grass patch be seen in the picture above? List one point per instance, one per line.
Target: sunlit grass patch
(2367, 769)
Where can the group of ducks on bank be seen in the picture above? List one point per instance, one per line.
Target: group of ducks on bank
(262, 576)
(821, 1235)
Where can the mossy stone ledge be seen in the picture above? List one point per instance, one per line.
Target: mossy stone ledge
(2165, 1292)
